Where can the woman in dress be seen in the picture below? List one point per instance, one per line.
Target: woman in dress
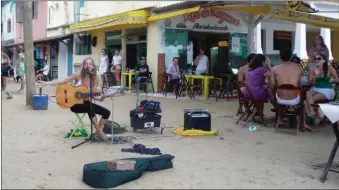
(21, 68)
(82, 78)
(256, 79)
(322, 76)
(116, 62)
(103, 66)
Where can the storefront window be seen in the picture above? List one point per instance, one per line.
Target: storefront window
(83, 45)
(282, 40)
(176, 42)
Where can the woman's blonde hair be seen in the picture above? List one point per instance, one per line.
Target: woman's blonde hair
(83, 72)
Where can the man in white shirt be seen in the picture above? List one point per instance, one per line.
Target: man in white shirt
(116, 62)
(43, 73)
(202, 63)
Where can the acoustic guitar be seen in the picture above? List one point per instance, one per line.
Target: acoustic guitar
(68, 95)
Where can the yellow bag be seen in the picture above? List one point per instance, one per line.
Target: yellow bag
(193, 132)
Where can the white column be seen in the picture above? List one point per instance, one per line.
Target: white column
(123, 49)
(258, 48)
(300, 41)
(326, 34)
(250, 35)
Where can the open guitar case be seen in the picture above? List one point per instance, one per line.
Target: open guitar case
(98, 175)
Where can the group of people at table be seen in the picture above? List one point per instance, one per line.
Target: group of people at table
(261, 79)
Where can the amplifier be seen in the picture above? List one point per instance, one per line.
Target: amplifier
(197, 119)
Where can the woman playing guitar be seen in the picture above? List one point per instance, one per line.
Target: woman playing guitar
(83, 78)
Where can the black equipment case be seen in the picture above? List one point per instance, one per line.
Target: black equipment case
(143, 120)
(197, 119)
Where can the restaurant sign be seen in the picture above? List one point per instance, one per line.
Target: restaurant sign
(208, 19)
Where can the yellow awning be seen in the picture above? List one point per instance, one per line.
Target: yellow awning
(285, 14)
(295, 16)
(118, 21)
(173, 14)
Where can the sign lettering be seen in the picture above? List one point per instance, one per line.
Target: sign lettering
(204, 12)
(209, 27)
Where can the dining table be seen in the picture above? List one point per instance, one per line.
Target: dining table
(331, 111)
(205, 82)
(130, 75)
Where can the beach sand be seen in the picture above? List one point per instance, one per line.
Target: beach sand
(34, 152)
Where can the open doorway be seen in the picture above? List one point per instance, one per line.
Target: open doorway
(209, 42)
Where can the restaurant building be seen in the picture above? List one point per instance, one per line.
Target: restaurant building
(229, 33)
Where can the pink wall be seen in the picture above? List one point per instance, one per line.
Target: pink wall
(39, 24)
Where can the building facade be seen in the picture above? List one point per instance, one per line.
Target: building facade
(7, 22)
(183, 31)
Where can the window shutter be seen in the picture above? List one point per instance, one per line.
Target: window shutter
(9, 26)
(19, 10)
(35, 9)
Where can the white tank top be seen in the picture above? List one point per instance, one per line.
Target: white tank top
(103, 62)
(202, 65)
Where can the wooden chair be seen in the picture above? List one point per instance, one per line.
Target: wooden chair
(145, 81)
(227, 86)
(239, 85)
(287, 110)
(185, 86)
(251, 104)
(213, 89)
(168, 84)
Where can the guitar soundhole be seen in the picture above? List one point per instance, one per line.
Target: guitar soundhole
(66, 100)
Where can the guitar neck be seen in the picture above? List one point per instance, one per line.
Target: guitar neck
(86, 95)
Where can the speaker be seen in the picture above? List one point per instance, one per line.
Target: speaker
(197, 119)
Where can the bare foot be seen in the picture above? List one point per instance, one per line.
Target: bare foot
(103, 136)
(308, 127)
(20, 90)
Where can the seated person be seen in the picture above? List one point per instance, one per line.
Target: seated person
(286, 73)
(43, 73)
(143, 72)
(321, 76)
(242, 73)
(255, 79)
(295, 59)
(92, 109)
(173, 72)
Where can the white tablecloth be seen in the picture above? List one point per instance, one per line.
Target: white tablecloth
(330, 111)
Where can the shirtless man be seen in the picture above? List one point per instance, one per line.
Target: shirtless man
(242, 73)
(286, 73)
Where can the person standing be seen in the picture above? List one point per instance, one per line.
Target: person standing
(21, 68)
(103, 66)
(202, 63)
(319, 47)
(117, 62)
(5, 67)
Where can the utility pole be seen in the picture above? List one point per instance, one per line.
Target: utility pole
(29, 52)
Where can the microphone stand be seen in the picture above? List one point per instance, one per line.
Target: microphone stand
(91, 136)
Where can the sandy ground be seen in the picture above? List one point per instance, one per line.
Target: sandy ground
(35, 153)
